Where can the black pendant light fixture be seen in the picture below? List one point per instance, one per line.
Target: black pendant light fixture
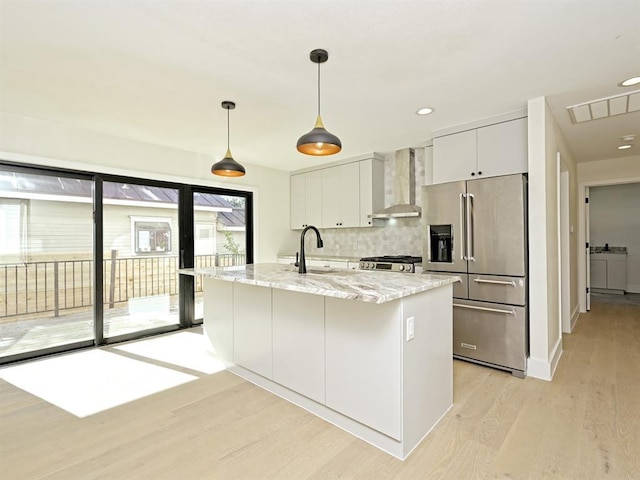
(228, 167)
(319, 141)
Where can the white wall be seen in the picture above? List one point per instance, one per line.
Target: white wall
(545, 335)
(40, 142)
(614, 219)
(603, 172)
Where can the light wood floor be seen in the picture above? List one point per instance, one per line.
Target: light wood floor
(583, 425)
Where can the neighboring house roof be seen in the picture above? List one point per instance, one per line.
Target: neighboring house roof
(26, 183)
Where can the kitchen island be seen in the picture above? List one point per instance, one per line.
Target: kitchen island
(370, 352)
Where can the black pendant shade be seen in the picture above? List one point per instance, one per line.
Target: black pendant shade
(228, 167)
(319, 141)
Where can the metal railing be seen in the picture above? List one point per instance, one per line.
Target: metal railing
(57, 285)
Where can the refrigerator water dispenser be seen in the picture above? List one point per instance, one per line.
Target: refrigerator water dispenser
(441, 243)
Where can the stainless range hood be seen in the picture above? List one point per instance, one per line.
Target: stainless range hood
(404, 188)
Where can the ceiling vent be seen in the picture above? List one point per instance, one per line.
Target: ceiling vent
(605, 107)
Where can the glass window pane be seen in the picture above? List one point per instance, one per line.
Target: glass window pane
(220, 235)
(46, 262)
(140, 237)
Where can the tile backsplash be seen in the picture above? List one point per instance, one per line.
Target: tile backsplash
(398, 236)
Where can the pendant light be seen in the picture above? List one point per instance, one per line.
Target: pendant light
(319, 141)
(228, 167)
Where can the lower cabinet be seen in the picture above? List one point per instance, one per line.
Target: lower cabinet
(364, 362)
(298, 342)
(609, 271)
(598, 274)
(252, 345)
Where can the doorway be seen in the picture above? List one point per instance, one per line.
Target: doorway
(625, 222)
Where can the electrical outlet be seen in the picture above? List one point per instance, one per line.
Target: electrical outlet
(355, 245)
(410, 328)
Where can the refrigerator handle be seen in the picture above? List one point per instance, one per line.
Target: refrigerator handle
(463, 234)
(469, 227)
(485, 309)
(495, 282)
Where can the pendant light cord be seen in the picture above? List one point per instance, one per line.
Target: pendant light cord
(228, 129)
(318, 89)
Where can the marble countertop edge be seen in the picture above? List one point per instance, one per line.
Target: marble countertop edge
(365, 286)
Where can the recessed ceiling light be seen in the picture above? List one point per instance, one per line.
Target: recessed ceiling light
(624, 147)
(629, 82)
(628, 138)
(425, 111)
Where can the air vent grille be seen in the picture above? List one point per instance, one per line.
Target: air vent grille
(605, 107)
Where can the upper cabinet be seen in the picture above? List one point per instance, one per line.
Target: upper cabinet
(489, 151)
(371, 190)
(306, 209)
(339, 196)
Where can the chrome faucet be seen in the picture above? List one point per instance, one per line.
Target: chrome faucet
(302, 267)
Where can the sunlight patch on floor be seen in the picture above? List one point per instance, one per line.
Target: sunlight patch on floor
(184, 349)
(88, 382)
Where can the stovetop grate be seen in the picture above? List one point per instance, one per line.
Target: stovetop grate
(393, 259)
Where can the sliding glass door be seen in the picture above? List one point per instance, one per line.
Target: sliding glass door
(46, 262)
(89, 259)
(222, 234)
(140, 244)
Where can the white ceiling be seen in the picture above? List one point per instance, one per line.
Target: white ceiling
(156, 71)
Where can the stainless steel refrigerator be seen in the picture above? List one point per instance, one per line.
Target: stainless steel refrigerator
(477, 230)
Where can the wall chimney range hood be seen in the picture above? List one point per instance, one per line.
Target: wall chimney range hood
(404, 188)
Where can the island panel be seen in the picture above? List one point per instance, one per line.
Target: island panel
(364, 362)
(298, 342)
(252, 341)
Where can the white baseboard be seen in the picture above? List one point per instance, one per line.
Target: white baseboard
(574, 317)
(555, 356)
(544, 369)
(633, 288)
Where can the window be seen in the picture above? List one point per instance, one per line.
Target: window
(12, 229)
(205, 239)
(150, 235)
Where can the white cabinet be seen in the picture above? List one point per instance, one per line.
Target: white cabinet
(503, 148)
(371, 190)
(598, 273)
(364, 362)
(489, 151)
(617, 273)
(298, 342)
(341, 196)
(609, 271)
(454, 157)
(252, 345)
(338, 197)
(306, 199)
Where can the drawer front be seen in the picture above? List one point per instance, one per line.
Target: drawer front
(461, 288)
(490, 333)
(499, 289)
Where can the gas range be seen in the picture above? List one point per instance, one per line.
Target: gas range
(392, 263)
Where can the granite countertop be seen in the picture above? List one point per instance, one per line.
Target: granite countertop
(618, 250)
(361, 285)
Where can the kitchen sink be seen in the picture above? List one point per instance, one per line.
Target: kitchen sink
(324, 271)
(330, 271)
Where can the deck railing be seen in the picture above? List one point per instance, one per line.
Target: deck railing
(57, 285)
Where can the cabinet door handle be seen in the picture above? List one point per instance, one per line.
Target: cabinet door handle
(485, 309)
(495, 282)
